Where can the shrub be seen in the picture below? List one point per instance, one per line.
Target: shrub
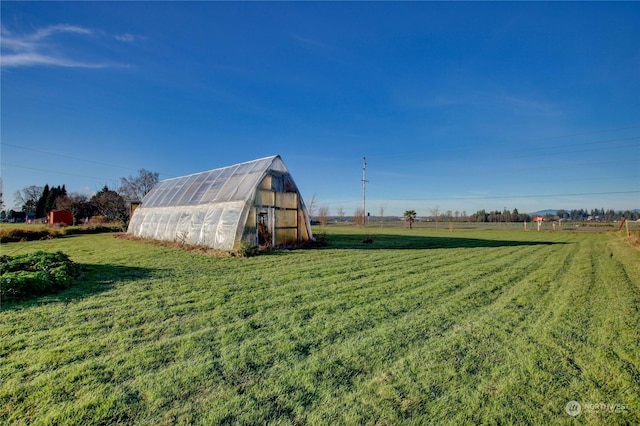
(92, 229)
(99, 219)
(35, 274)
(633, 239)
(22, 234)
(321, 239)
(247, 250)
(26, 234)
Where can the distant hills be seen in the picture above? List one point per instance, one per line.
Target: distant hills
(545, 212)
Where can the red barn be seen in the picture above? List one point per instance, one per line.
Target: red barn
(60, 216)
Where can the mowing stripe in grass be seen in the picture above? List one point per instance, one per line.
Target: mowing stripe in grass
(471, 327)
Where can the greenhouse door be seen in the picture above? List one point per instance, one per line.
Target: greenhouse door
(264, 227)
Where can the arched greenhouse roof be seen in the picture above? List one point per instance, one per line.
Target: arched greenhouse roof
(232, 183)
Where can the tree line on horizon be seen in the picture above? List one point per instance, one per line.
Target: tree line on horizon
(495, 216)
(576, 215)
(111, 205)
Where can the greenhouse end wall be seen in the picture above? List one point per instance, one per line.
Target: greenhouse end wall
(278, 215)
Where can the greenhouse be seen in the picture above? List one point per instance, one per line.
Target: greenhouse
(256, 202)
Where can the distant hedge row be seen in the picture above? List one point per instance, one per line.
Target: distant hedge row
(35, 274)
(25, 234)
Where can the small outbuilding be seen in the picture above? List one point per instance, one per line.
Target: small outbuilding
(60, 217)
(256, 202)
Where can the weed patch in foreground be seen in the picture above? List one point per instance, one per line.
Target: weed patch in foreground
(35, 274)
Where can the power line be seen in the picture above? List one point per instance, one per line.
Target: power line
(66, 156)
(506, 169)
(615, 129)
(560, 151)
(588, 143)
(499, 197)
(489, 197)
(500, 145)
(576, 165)
(56, 172)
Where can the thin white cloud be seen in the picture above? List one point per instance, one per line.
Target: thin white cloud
(32, 59)
(40, 48)
(15, 44)
(63, 28)
(522, 104)
(128, 38)
(326, 50)
(310, 42)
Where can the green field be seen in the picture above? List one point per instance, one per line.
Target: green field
(422, 326)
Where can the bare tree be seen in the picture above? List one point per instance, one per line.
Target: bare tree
(28, 198)
(311, 206)
(323, 215)
(1, 196)
(358, 216)
(340, 213)
(78, 204)
(135, 188)
(435, 211)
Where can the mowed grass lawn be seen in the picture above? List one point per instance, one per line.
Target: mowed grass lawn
(418, 327)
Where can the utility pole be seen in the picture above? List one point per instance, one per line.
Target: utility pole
(364, 190)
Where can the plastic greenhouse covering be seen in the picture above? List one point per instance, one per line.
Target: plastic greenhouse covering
(256, 201)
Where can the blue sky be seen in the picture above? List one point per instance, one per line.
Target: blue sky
(460, 106)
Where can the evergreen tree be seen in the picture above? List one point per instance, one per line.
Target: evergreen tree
(41, 208)
(481, 216)
(54, 194)
(515, 216)
(51, 198)
(47, 200)
(506, 215)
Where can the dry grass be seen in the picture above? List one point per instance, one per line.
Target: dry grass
(191, 248)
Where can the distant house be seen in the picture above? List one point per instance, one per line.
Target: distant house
(60, 216)
(17, 217)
